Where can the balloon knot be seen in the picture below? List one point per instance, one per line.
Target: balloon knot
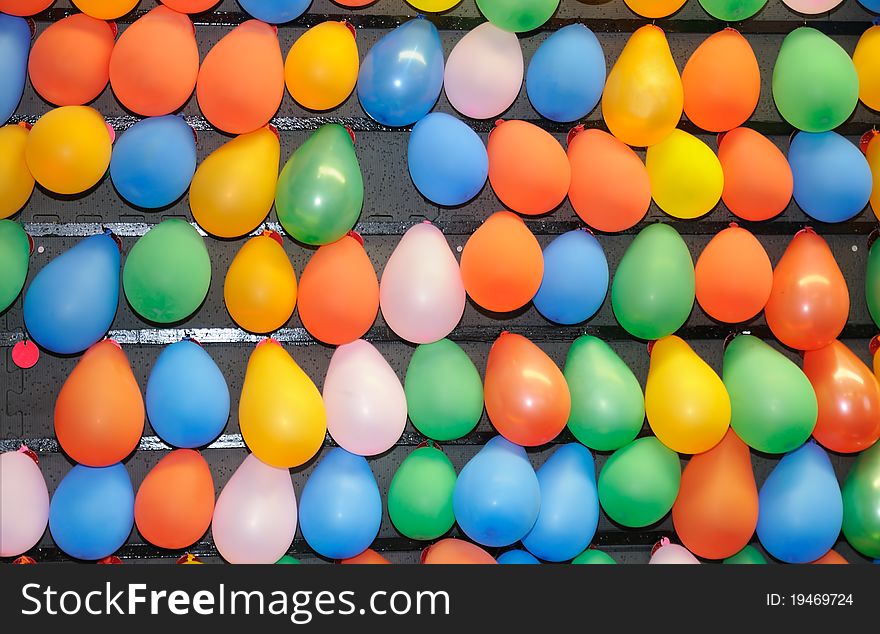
(874, 346)
(114, 237)
(808, 229)
(730, 337)
(733, 225)
(114, 342)
(24, 559)
(32, 25)
(872, 238)
(351, 134)
(268, 340)
(114, 28)
(720, 138)
(350, 27)
(189, 558)
(588, 230)
(30, 243)
(354, 234)
(651, 346)
(866, 139)
(110, 559)
(573, 133)
(30, 453)
(25, 125)
(193, 340)
(664, 541)
(274, 131)
(274, 235)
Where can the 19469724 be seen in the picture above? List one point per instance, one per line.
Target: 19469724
(831, 599)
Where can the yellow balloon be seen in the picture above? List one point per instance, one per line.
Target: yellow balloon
(260, 287)
(866, 58)
(643, 97)
(655, 8)
(321, 68)
(873, 155)
(105, 9)
(281, 412)
(685, 174)
(68, 149)
(434, 6)
(686, 402)
(233, 190)
(16, 182)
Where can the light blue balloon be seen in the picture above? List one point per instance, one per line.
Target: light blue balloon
(832, 178)
(340, 510)
(275, 11)
(497, 496)
(15, 46)
(187, 396)
(517, 557)
(92, 511)
(575, 278)
(800, 508)
(567, 74)
(402, 75)
(72, 301)
(871, 5)
(447, 160)
(153, 162)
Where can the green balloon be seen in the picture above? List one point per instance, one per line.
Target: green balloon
(653, 289)
(732, 10)
(748, 555)
(321, 190)
(593, 556)
(444, 392)
(861, 503)
(15, 253)
(420, 495)
(639, 483)
(815, 84)
(287, 559)
(872, 283)
(607, 403)
(773, 405)
(167, 273)
(518, 15)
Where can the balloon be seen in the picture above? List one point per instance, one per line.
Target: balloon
(815, 84)
(652, 293)
(867, 50)
(275, 11)
(831, 557)
(340, 507)
(233, 189)
(433, 6)
(402, 74)
(366, 404)
(528, 169)
(497, 496)
(16, 181)
(872, 282)
(575, 278)
(518, 15)
(187, 396)
(861, 503)
(800, 509)
(189, 6)
(355, 4)
(832, 178)
(610, 189)
(527, 398)
(175, 502)
(455, 551)
(502, 264)
(281, 413)
(686, 176)
(654, 8)
(154, 161)
(748, 555)
(15, 44)
(447, 160)
(287, 560)
(809, 303)
(260, 286)
(321, 190)
(812, 7)
(167, 272)
(849, 399)
(105, 9)
(420, 495)
(255, 517)
(517, 557)
(444, 391)
(484, 72)
(24, 7)
(593, 556)
(72, 301)
(92, 511)
(872, 153)
(874, 6)
(322, 66)
(155, 63)
(14, 261)
(639, 482)
(24, 503)
(339, 292)
(732, 10)
(368, 557)
(672, 554)
(758, 182)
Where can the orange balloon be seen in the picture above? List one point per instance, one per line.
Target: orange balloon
(175, 502)
(24, 8)
(848, 396)
(528, 168)
(502, 264)
(733, 276)
(339, 292)
(366, 557)
(354, 3)
(190, 6)
(809, 301)
(610, 189)
(456, 551)
(722, 82)
(758, 183)
(527, 398)
(831, 557)
(99, 413)
(155, 63)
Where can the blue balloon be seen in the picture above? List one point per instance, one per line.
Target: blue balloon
(800, 508)
(92, 511)
(871, 5)
(402, 75)
(517, 557)
(447, 160)
(340, 510)
(72, 301)
(575, 278)
(497, 497)
(15, 46)
(275, 11)
(187, 396)
(832, 178)
(567, 74)
(153, 161)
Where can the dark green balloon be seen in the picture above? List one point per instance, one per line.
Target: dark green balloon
(861, 503)
(748, 555)
(872, 283)
(593, 556)
(15, 253)
(287, 559)
(420, 495)
(732, 10)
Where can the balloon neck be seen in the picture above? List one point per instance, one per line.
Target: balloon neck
(24, 560)
(350, 28)
(189, 558)
(111, 560)
(30, 243)
(274, 28)
(114, 28)
(720, 138)
(730, 337)
(876, 21)
(866, 139)
(427, 443)
(274, 235)
(30, 453)
(651, 346)
(111, 132)
(806, 230)
(424, 556)
(274, 131)
(352, 135)
(664, 541)
(874, 346)
(872, 238)
(268, 340)
(25, 125)
(192, 339)
(115, 238)
(358, 237)
(733, 225)
(420, 16)
(588, 230)
(573, 133)
(195, 134)
(32, 25)
(114, 342)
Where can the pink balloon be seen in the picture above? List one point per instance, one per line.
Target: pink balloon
(812, 7)
(255, 515)
(421, 293)
(365, 402)
(672, 554)
(24, 503)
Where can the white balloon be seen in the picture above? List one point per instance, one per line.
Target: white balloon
(24, 504)
(812, 7)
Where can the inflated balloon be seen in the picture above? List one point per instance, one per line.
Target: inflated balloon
(15, 251)
(800, 508)
(686, 176)
(167, 272)
(861, 503)
(340, 507)
(872, 153)
(518, 15)
(758, 183)
(871, 5)
(288, 560)
(655, 8)
(456, 551)
(872, 282)
(16, 181)
(812, 7)
(24, 503)
(433, 6)
(24, 7)
(669, 553)
(105, 9)
(321, 68)
(275, 11)
(592, 556)
(187, 397)
(420, 494)
(15, 45)
(831, 557)
(366, 404)
(281, 413)
(517, 557)
(748, 556)
(189, 6)
(368, 557)
(356, 4)
(732, 10)
(72, 301)
(867, 50)
(575, 279)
